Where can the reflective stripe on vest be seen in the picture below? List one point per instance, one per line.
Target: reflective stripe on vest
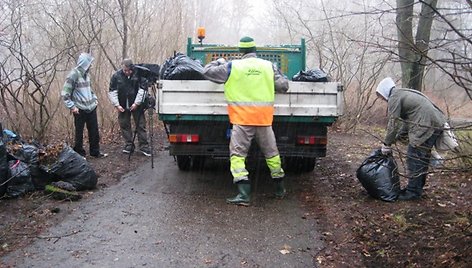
(249, 92)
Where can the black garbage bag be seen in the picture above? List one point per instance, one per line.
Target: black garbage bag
(378, 174)
(29, 154)
(4, 169)
(312, 75)
(182, 67)
(19, 182)
(71, 167)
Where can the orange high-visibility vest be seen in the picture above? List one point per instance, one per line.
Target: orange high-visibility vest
(249, 92)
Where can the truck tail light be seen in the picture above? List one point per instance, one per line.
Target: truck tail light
(184, 138)
(312, 140)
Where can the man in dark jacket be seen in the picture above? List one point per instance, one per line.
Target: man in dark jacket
(412, 113)
(127, 94)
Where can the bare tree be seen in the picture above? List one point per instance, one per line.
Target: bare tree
(413, 51)
(27, 77)
(452, 45)
(341, 47)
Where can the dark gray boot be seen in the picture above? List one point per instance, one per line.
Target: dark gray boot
(413, 190)
(243, 196)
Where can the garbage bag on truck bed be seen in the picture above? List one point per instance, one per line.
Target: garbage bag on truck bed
(182, 67)
(378, 174)
(313, 75)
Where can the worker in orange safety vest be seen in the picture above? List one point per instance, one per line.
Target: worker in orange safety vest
(250, 85)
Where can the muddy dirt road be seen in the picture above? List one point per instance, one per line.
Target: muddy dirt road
(164, 217)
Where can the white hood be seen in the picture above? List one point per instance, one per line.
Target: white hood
(385, 87)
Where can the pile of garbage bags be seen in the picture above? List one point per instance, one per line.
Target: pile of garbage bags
(26, 167)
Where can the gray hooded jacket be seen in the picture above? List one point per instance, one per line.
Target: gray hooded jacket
(77, 90)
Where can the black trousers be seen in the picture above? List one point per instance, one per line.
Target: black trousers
(89, 119)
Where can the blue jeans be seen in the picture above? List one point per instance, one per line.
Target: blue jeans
(417, 163)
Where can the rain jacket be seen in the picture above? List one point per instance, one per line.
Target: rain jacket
(412, 111)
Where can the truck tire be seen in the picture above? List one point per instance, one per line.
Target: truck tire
(198, 162)
(184, 162)
(299, 164)
(308, 164)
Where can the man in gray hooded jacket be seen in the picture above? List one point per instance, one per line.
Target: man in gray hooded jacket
(411, 113)
(80, 99)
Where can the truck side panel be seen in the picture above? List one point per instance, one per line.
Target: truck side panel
(188, 97)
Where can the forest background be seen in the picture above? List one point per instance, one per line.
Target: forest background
(422, 44)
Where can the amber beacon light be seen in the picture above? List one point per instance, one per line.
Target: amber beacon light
(201, 34)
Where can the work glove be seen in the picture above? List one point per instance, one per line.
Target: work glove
(221, 61)
(386, 150)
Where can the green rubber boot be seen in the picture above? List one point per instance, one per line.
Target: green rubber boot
(242, 199)
(280, 191)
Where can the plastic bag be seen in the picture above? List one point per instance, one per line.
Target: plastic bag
(10, 135)
(447, 140)
(378, 174)
(181, 67)
(20, 180)
(73, 168)
(314, 75)
(29, 154)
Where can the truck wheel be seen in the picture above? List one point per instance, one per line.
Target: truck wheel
(184, 162)
(307, 164)
(290, 164)
(299, 164)
(198, 162)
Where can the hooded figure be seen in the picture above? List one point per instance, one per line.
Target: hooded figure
(84, 61)
(80, 99)
(385, 87)
(411, 113)
(77, 91)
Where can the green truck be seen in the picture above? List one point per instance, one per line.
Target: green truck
(196, 120)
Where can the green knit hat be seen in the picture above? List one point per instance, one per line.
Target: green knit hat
(247, 42)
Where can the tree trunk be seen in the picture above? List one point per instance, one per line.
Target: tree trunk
(413, 52)
(405, 37)
(423, 34)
